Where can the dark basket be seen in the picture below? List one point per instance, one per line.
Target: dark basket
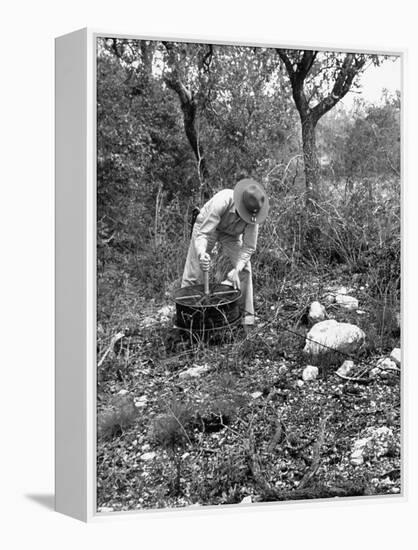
(198, 313)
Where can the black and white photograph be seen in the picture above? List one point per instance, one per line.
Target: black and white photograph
(248, 274)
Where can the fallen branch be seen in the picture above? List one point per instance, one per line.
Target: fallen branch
(113, 341)
(315, 492)
(359, 380)
(316, 454)
(277, 437)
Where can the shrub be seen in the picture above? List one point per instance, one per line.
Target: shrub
(120, 415)
(172, 430)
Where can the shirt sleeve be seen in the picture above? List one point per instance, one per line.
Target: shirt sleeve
(213, 212)
(249, 244)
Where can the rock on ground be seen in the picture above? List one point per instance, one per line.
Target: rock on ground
(148, 456)
(395, 355)
(256, 394)
(385, 368)
(375, 443)
(347, 302)
(343, 337)
(317, 312)
(358, 451)
(346, 368)
(310, 373)
(329, 299)
(194, 372)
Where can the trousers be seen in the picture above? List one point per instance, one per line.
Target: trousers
(230, 246)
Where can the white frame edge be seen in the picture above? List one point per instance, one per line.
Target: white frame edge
(75, 476)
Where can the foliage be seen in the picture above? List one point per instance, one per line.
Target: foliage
(170, 430)
(115, 419)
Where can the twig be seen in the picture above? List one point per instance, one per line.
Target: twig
(180, 424)
(113, 341)
(278, 435)
(359, 380)
(316, 454)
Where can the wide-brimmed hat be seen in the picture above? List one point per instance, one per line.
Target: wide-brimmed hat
(251, 201)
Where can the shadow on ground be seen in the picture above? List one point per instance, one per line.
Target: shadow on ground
(45, 500)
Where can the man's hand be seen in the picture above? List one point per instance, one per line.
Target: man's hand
(233, 278)
(204, 260)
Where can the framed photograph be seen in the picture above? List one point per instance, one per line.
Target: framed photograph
(228, 274)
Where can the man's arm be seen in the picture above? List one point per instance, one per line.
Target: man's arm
(249, 245)
(214, 210)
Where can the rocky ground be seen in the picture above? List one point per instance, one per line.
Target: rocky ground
(242, 418)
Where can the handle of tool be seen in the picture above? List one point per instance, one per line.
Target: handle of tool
(206, 282)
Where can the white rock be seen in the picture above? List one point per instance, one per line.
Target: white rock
(141, 402)
(310, 373)
(194, 372)
(374, 373)
(395, 355)
(346, 368)
(317, 312)
(149, 321)
(343, 337)
(376, 443)
(381, 439)
(165, 311)
(148, 456)
(256, 394)
(347, 302)
(329, 298)
(247, 500)
(300, 383)
(357, 454)
(123, 392)
(387, 364)
(342, 290)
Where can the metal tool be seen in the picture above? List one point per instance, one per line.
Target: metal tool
(206, 282)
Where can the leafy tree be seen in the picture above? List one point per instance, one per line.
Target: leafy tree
(183, 61)
(323, 78)
(373, 144)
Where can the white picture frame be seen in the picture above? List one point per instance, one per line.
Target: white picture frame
(75, 175)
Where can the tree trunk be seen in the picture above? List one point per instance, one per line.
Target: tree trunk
(189, 109)
(312, 229)
(310, 158)
(188, 105)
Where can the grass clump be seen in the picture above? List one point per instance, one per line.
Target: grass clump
(117, 417)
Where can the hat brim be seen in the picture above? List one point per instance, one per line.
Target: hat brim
(239, 189)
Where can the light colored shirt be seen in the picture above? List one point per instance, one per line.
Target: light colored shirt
(218, 217)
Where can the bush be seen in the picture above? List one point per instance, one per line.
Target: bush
(172, 430)
(119, 416)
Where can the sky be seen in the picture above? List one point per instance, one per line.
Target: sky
(375, 79)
